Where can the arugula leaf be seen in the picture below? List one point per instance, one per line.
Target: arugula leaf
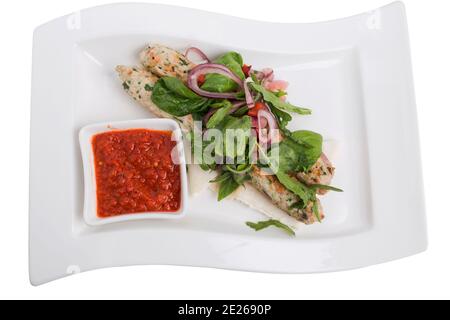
(220, 114)
(228, 183)
(297, 205)
(324, 187)
(218, 83)
(276, 102)
(301, 190)
(283, 118)
(172, 96)
(265, 224)
(241, 111)
(227, 187)
(241, 178)
(223, 176)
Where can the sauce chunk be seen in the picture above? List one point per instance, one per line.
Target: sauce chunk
(135, 173)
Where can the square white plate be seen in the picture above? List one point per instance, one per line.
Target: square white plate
(90, 185)
(354, 73)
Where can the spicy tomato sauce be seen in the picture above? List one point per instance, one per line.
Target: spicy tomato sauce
(135, 172)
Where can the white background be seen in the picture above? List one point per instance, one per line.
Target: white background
(422, 276)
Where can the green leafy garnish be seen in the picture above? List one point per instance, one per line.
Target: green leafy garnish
(226, 188)
(283, 118)
(236, 133)
(265, 224)
(241, 111)
(309, 147)
(219, 116)
(276, 102)
(297, 187)
(325, 187)
(172, 96)
(228, 183)
(233, 61)
(218, 83)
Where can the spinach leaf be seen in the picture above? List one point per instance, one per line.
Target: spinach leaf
(265, 224)
(283, 162)
(234, 123)
(172, 96)
(236, 132)
(220, 114)
(218, 83)
(310, 147)
(276, 102)
(233, 61)
(298, 151)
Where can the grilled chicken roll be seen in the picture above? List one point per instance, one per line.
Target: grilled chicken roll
(138, 83)
(159, 61)
(164, 61)
(321, 172)
(283, 198)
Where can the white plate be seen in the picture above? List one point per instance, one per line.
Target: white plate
(354, 73)
(90, 198)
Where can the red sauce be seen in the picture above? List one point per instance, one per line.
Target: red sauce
(135, 172)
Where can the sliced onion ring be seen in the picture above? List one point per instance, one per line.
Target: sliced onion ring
(198, 52)
(208, 68)
(271, 125)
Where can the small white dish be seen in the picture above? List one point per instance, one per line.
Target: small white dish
(90, 194)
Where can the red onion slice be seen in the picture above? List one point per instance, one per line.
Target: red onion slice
(198, 52)
(268, 74)
(212, 68)
(266, 120)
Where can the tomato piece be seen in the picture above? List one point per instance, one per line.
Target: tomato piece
(253, 112)
(201, 79)
(246, 70)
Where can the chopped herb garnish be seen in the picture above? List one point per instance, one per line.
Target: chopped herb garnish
(183, 62)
